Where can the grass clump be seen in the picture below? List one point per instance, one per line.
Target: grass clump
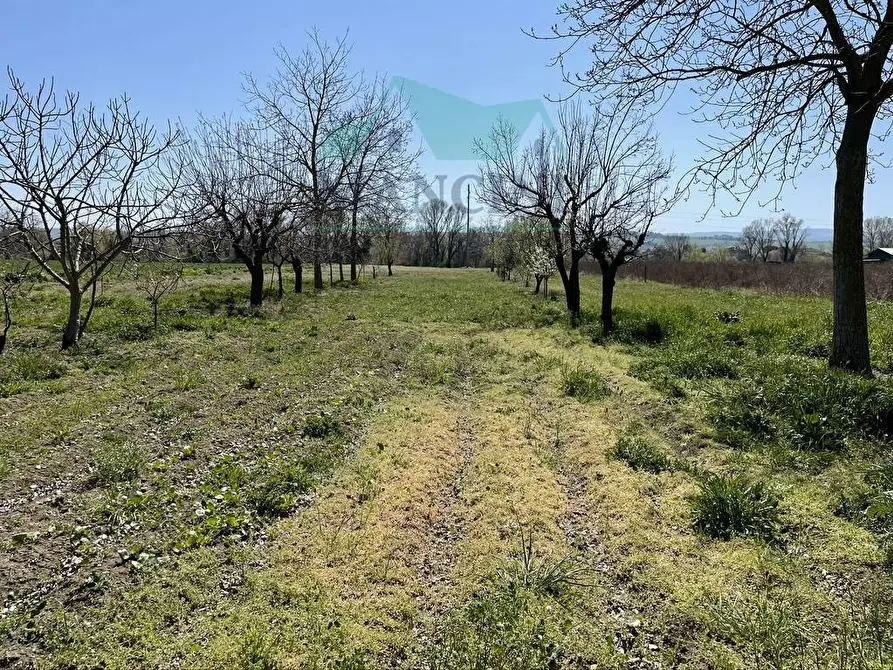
(813, 409)
(734, 506)
(584, 383)
(872, 505)
(118, 462)
(499, 630)
(640, 454)
(256, 652)
(321, 426)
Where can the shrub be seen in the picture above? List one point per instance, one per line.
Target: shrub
(640, 454)
(726, 507)
(583, 383)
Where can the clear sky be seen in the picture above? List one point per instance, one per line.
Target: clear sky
(175, 58)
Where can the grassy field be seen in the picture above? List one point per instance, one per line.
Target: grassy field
(435, 471)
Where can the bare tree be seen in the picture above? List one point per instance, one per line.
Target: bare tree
(750, 242)
(15, 283)
(591, 165)
(789, 81)
(759, 239)
(455, 234)
(81, 186)
(156, 280)
(676, 247)
(388, 225)
(790, 232)
(375, 147)
(435, 218)
(233, 195)
(877, 232)
(306, 104)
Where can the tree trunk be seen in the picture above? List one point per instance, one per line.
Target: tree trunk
(390, 271)
(279, 276)
(2, 343)
(353, 246)
(299, 277)
(353, 272)
(849, 349)
(73, 327)
(317, 277)
(256, 268)
(331, 276)
(609, 280)
(539, 283)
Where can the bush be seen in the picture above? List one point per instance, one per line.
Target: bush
(726, 507)
(640, 454)
(583, 383)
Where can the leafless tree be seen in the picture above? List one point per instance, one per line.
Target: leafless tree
(388, 225)
(436, 218)
(591, 165)
(749, 241)
(156, 280)
(233, 195)
(375, 147)
(758, 237)
(306, 105)
(15, 283)
(454, 240)
(790, 232)
(82, 186)
(878, 232)
(676, 247)
(789, 81)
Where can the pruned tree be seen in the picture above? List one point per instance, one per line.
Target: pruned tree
(877, 233)
(233, 196)
(789, 81)
(306, 107)
(634, 177)
(758, 237)
(591, 165)
(790, 233)
(82, 186)
(676, 247)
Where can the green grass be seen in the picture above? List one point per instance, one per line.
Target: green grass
(201, 495)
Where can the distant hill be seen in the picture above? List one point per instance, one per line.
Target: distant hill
(712, 239)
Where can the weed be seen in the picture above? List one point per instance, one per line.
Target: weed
(257, 652)
(640, 454)
(584, 383)
(726, 507)
(321, 426)
(503, 631)
(118, 462)
(540, 575)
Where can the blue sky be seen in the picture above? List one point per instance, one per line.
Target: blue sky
(177, 58)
